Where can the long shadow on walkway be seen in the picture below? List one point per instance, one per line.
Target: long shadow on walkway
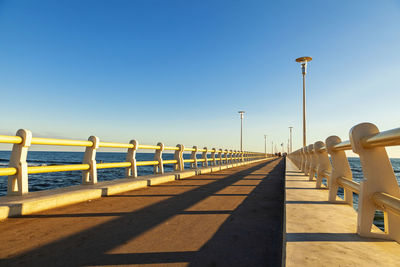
(254, 229)
(252, 235)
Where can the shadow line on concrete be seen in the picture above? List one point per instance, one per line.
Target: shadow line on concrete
(148, 258)
(310, 202)
(329, 237)
(302, 188)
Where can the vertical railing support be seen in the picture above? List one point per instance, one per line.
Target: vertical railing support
(378, 177)
(131, 172)
(304, 162)
(90, 176)
(159, 168)
(313, 162)
(18, 183)
(226, 156)
(308, 161)
(324, 164)
(220, 156)
(194, 157)
(178, 156)
(214, 162)
(236, 158)
(204, 157)
(340, 168)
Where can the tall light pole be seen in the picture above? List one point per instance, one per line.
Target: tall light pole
(241, 129)
(290, 146)
(265, 144)
(303, 61)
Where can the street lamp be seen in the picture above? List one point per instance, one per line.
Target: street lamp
(241, 129)
(290, 146)
(303, 61)
(265, 144)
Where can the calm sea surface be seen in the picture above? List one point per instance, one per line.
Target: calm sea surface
(47, 181)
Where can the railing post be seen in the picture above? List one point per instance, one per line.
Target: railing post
(226, 156)
(193, 157)
(308, 162)
(231, 157)
(304, 162)
(214, 162)
(378, 177)
(340, 168)
(18, 183)
(313, 162)
(159, 168)
(90, 176)
(204, 156)
(236, 157)
(324, 165)
(301, 158)
(131, 172)
(220, 156)
(178, 156)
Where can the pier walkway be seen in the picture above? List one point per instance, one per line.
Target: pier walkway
(233, 217)
(319, 233)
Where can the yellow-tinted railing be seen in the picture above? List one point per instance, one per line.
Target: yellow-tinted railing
(115, 145)
(173, 161)
(148, 147)
(23, 140)
(147, 163)
(8, 171)
(59, 142)
(58, 168)
(10, 139)
(113, 165)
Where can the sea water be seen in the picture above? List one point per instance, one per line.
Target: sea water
(45, 181)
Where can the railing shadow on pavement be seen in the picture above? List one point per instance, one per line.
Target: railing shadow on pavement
(79, 250)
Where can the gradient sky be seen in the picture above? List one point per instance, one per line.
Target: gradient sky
(178, 71)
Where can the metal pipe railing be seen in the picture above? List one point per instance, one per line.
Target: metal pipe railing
(18, 169)
(387, 202)
(349, 184)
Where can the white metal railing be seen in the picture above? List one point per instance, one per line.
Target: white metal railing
(18, 169)
(379, 189)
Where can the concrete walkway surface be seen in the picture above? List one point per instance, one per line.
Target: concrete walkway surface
(319, 233)
(233, 217)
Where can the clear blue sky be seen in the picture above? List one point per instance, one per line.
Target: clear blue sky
(178, 71)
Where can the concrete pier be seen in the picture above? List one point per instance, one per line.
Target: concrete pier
(233, 217)
(319, 233)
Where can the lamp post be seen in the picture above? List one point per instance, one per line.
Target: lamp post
(265, 144)
(241, 129)
(290, 145)
(303, 61)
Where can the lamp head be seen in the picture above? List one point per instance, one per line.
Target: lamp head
(303, 61)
